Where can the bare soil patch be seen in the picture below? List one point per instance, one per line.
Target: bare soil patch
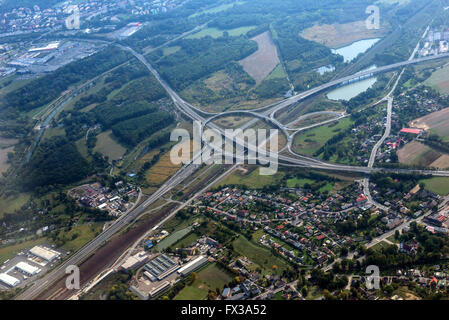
(438, 122)
(260, 64)
(4, 165)
(415, 153)
(441, 163)
(6, 142)
(338, 35)
(410, 296)
(444, 86)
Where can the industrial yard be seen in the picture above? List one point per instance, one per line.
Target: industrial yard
(27, 265)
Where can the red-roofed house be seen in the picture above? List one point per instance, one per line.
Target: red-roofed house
(411, 130)
(361, 199)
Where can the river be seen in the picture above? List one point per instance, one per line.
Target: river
(349, 91)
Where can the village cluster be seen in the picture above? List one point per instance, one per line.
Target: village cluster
(436, 42)
(303, 230)
(24, 20)
(115, 201)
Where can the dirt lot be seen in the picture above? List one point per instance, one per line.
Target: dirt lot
(436, 122)
(260, 64)
(4, 158)
(441, 163)
(339, 35)
(415, 153)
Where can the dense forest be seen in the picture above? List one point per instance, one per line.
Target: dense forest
(114, 81)
(135, 130)
(110, 114)
(431, 249)
(55, 162)
(200, 57)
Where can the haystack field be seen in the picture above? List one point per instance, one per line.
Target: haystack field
(436, 122)
(338, 35)
(260, 64)
(415, 153)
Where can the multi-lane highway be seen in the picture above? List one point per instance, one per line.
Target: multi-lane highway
(188, 169)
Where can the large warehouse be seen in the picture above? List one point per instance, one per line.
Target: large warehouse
(8, 280)
(27, 269)
(192, 266)
(160, 267)
(44, 253)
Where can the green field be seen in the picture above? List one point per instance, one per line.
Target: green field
(259, 255)
(170, 50)
(292, 183)
(78, 236)
(310, 141)
(439, 185)
(82, 148)
(183, 243)
(217, 9)
(380, 245)
(53, 132)
(9, 252)
(172, 239)
(13, 203)
(439, 80)
(277, 73)
(107, 146)
(216, 33)
(209, 278)
(252, 180)
(14, 85)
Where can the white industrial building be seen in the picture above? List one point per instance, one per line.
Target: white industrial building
(49, 47)
(160, 267)
(9, 280)
(27, 269)
(44, 253)
(102, 206)
(192, 266)
(135, 260)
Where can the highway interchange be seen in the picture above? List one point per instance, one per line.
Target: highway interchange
(267, 114)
